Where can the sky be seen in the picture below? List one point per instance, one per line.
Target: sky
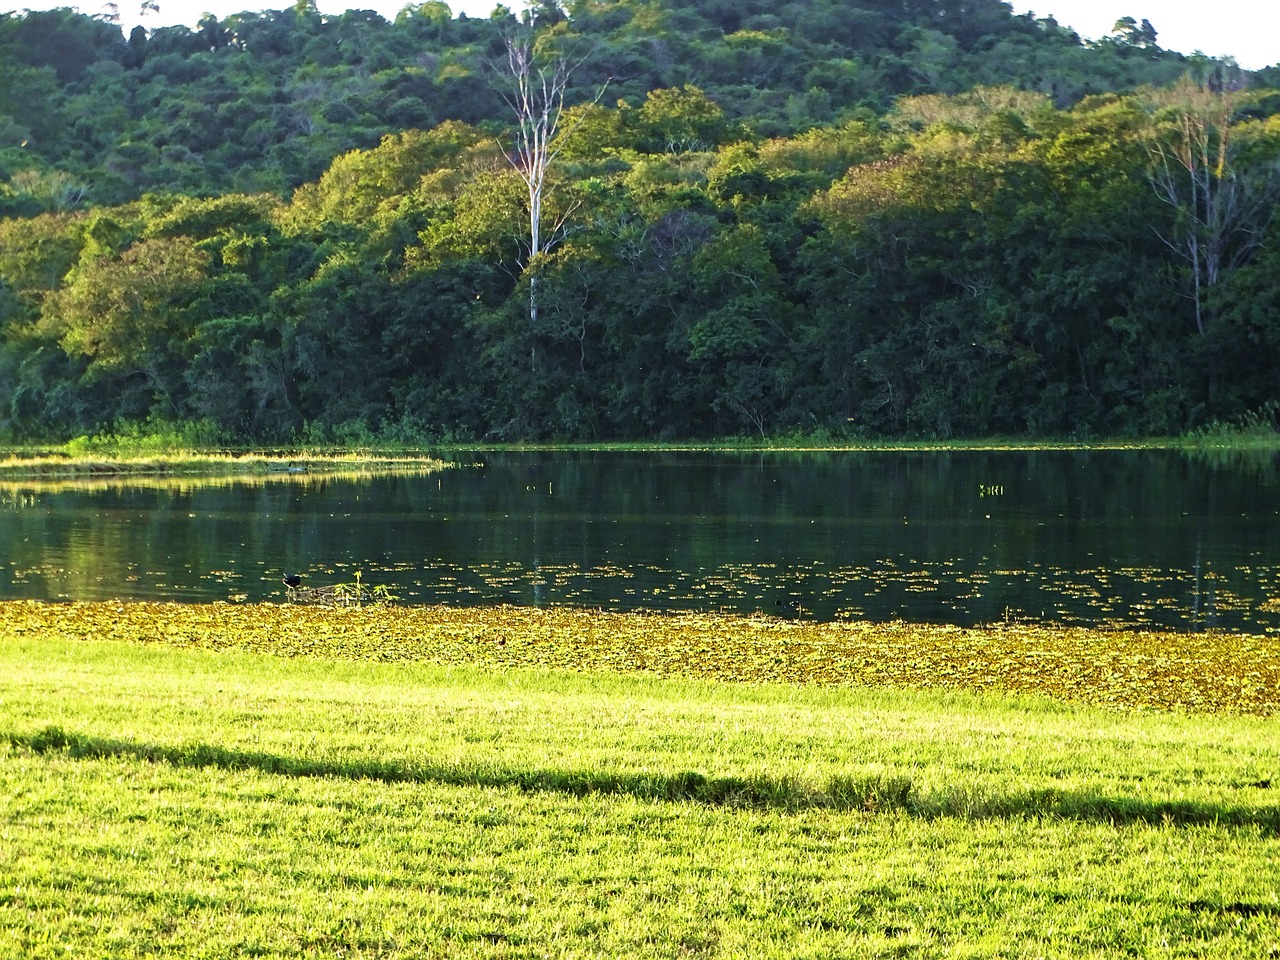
(1248, 30)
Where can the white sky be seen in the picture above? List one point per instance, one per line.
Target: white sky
(1249, 30)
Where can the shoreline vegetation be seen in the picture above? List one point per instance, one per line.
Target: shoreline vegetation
(137, 453)
(1208, 672)
(287, 782)
(43, 464)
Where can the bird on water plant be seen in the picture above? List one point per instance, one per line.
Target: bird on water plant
(354, 594)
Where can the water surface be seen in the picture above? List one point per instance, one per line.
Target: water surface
(1135, 538)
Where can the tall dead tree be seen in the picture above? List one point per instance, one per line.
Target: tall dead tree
(1221, 206)
(536, 97)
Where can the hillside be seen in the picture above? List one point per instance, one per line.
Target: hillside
(910, 218)
(265, 101)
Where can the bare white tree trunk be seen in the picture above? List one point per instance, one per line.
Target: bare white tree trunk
(537, 98)
(1221, 212)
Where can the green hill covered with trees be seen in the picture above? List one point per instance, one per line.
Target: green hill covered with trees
(834, 217)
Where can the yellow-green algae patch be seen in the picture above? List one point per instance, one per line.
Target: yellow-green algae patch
(1197, 673)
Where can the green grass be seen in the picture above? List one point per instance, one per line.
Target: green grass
(26, 466)
(199, 447)
(161, 800)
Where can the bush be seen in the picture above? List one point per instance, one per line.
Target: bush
(154, 437)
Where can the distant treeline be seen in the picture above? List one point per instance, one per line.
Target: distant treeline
(927, 218)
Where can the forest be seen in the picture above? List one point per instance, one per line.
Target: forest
(632, 220)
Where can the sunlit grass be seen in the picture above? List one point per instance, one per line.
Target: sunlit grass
(1197, 672)
(59, 470)
(116, 455)
(288, 782)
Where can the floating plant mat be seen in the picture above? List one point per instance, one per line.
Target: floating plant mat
(1245, 599)
(1202, 672)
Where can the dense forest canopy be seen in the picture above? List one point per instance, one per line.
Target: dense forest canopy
(833, 217)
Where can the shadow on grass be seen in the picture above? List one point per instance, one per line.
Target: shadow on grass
(871, 794)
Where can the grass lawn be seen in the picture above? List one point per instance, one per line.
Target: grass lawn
(271, 781)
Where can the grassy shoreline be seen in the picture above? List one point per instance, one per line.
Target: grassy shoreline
(1194, 673)
(143, 455)
(284, 782)
(42, 465)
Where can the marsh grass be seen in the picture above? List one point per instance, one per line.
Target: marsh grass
(167, 793)
(52, 466)
(189, 449)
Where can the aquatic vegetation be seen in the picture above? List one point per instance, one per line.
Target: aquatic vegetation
(1194, 672)
(355, 593)
(1129, 597)
(49, 472)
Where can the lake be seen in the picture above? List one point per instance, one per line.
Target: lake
(1079, 537)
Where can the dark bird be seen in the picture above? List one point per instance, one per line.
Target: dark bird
(292, 580)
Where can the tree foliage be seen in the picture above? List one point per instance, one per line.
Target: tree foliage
(838, 219)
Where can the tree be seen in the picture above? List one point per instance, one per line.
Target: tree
(742, 332)
(682, 121)
(122, 311)
(1221, 206)
(537, 98)
(1128, 33)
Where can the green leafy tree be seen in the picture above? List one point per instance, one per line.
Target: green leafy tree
(359, 182)
(1127, 32)
(681, 121)
(121, 312)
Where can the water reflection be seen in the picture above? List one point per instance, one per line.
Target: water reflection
(1136, 538)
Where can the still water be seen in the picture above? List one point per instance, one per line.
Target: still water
(1131, 538)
